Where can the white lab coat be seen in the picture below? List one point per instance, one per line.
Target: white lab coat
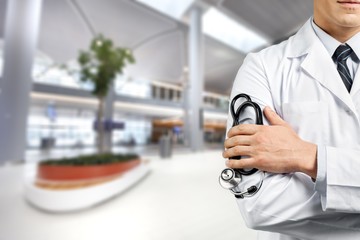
(299, 80)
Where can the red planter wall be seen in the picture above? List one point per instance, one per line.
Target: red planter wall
(61, 173)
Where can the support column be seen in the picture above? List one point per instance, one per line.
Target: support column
(109, 115)
(195, 85)
(21, 33)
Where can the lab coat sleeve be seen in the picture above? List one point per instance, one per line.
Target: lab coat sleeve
(286, 203)
(320, 184)
(339, 192)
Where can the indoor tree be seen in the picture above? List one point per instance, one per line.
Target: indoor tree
(99, 65)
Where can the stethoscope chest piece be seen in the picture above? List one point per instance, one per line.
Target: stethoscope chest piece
(229, 178)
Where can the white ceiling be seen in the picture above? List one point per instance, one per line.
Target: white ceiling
(158, 41)
(272, 18)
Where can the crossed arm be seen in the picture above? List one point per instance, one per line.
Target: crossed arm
(288, 203)
(275, 148)
(278, 149)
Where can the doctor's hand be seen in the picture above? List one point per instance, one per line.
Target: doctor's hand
(275, 148)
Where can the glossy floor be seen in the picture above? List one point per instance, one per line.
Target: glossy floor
(180, 200)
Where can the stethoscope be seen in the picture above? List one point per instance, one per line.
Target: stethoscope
(231, 178)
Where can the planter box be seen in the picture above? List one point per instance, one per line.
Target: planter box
(66, 173)
(66, 177)
(76, 199)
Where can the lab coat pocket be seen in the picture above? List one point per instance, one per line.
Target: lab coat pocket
(308, 119)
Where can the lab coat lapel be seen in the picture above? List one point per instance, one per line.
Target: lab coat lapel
(356, 84)
(319, 65)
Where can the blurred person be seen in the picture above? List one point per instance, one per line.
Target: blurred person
(309, 147)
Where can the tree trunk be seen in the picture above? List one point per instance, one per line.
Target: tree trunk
(100, 128)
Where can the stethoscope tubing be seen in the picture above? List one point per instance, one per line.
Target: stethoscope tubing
(231, 178)
(236, 115)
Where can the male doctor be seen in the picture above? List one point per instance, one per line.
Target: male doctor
(309, 89)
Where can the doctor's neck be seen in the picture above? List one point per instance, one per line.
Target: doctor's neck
(339, 18)
(341, 32)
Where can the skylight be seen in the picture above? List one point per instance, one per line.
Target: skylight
(215, 24)
(226, 30)
(174, 9)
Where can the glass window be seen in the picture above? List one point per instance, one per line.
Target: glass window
(153, 91)
(179, 95)
(174, 9)
(124, 85)
(171, 94)
(162, 93)
(225, 29)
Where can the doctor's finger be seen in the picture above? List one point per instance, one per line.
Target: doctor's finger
(244, 140)
(274, 118)
(243, 163)
(243, 129)
(237, 151)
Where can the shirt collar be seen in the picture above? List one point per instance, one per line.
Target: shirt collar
(354, 44)
(331, 43)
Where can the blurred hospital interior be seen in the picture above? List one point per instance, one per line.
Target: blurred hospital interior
(163, 114)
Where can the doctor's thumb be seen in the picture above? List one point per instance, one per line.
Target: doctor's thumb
(273, 118)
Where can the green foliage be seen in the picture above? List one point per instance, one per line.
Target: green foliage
(97, 159)
(101, 63)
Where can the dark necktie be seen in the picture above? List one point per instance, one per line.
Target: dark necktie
(340, 56)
